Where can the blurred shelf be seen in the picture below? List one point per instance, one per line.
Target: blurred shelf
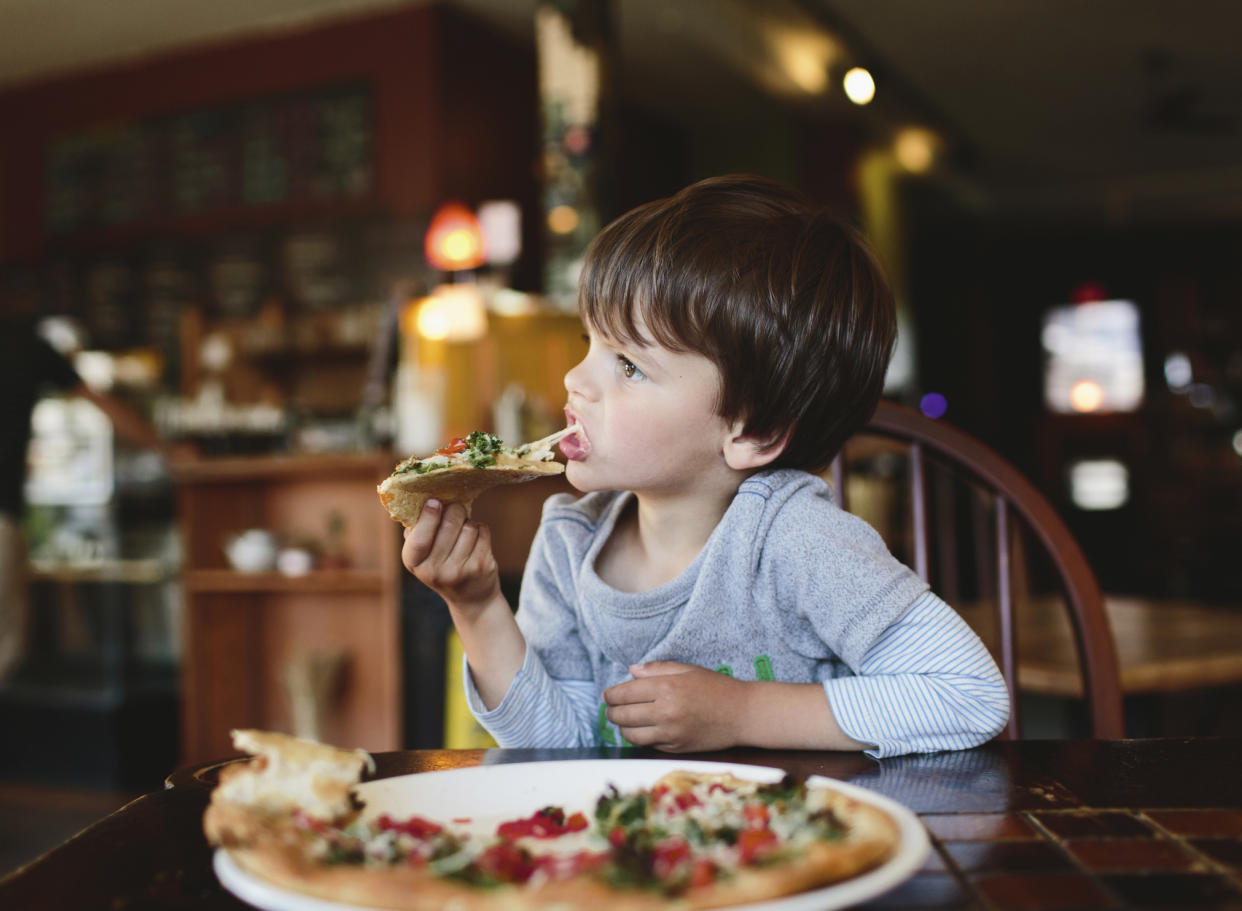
(132, 572)
(206, 581)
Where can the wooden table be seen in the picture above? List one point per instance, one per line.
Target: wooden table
(1029, 824)
(1163, 646)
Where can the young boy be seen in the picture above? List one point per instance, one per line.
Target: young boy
(706, 592)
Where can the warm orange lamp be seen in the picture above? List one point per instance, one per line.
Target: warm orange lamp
(454, 239)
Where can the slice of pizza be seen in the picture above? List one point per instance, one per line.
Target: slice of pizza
(288, 779)
(465, 468)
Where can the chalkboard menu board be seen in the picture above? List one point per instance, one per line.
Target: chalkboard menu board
(308, 147)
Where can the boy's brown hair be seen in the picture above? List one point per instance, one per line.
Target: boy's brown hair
(788, 302)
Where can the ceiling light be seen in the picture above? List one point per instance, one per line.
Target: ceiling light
(859, 86)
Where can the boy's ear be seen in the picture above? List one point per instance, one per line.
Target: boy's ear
(743, 452)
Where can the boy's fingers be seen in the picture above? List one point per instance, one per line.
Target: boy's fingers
(485, 537)
(631, 716)
(450, 528)
(629, 693)
(464, 546)
(419, 538)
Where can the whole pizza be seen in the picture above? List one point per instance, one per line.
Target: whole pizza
(691, 840)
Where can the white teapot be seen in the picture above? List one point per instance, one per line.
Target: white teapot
(252, 551)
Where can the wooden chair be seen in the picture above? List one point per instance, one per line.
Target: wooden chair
(1015, 503)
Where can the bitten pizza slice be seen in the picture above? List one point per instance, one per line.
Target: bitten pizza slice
(465, 468)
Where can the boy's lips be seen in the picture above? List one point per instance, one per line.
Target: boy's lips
(576, 446)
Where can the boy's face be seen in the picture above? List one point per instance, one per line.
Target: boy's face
(649, 419)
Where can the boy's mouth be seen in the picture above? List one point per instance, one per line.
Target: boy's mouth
(576, 446)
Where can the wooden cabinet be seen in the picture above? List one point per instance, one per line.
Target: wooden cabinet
(245, 632)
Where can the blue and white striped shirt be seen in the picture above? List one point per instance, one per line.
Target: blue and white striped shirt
(788, 587)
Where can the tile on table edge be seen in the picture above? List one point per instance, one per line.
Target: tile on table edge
(1225, 852)
(1134, 855)
(1012, 856)
(1091, 823)
(1205, 823)
(1042, 891)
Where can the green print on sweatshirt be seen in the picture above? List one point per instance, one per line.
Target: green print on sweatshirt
(763, 671)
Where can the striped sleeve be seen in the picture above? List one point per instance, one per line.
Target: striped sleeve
(927, 684)
(538, 710)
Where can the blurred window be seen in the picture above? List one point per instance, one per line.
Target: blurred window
(1093, 357)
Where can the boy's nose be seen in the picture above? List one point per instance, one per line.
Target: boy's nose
(577, 382)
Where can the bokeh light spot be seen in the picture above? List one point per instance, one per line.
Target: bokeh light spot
(934, 405)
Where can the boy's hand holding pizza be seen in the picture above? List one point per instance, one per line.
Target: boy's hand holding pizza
(452, 556)
(432, 498)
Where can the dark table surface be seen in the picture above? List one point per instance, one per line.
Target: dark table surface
(1030, 825)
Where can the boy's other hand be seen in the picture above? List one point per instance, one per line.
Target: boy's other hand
(677, 707)
(452, 556)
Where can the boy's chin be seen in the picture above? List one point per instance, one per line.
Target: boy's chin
(580, 477)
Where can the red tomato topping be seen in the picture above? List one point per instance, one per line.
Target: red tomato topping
(550, 822)
(702, 873)
(616, 837)
(305, 821)
(507, 862)
(753, 843)
(756, 815)
(458, 445)
(686, 801)
(415, 826)
(669, 856)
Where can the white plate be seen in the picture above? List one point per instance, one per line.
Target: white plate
(491, 793)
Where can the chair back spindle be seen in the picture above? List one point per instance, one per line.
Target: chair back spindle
(918, 511)
(1005, 621)
(1015, 500)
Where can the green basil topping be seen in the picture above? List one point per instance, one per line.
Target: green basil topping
(484, 442)
(787, 789)
(828, 825)
(480, 452)
(614, 809)
(481, 448)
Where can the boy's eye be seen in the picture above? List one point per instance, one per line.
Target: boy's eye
(628, 368)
